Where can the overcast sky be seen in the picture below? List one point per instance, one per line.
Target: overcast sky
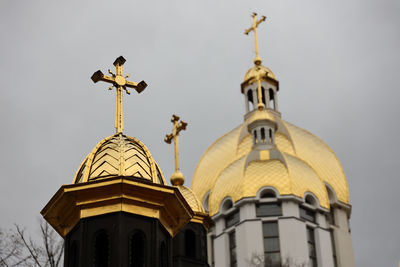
(337, 63)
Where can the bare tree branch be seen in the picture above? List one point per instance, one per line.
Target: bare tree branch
(16, 249)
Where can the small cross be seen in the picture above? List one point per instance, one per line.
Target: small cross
(253, 27)
(120, 83)
(257, 60)
(178, 126)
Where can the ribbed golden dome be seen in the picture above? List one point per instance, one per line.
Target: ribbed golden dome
(258, 71)
(119, 155)
(307, 164)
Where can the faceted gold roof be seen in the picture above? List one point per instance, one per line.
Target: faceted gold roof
(306, 164)
(258, 71)
(119, 155)
(191, 198)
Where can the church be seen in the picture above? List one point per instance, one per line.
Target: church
(267, 193)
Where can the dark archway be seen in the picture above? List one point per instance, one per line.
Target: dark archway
(190, 244)
(137, 249)
(101, 249)
(163, 255)
(73, 255)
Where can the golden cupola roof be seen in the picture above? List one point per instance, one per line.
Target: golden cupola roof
(299, 163)
(190, 198)
(258, 71)
(119, 155)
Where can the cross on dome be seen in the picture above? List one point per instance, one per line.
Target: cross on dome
(177, 177)
(257, 60)
(254, 27)
(120, 83)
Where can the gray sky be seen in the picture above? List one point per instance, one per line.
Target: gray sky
(337, 63)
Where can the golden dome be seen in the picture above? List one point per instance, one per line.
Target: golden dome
(258, 71)
(119, 155)
(307, 164)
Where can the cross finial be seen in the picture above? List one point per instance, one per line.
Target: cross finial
(118, 80)
(253, 27)
(177, 177)
(257, 60)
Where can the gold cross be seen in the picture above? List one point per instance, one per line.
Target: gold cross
(119, 82)
(257, 60)
(178, 126)
(253, 27)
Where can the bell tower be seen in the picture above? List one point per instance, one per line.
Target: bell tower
(118, 211)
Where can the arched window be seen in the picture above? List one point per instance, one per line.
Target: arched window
(137, 248)
(263, 134)
(271, 98)
(163, 255)
(250, 99)
(263, 96)
(270, 135)
(268, 194)
(101, 250)
(255, 137)
(73, 255)
(227, 205)
(190, 244)
(310, 200)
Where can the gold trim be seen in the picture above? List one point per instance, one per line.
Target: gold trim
(72, 203)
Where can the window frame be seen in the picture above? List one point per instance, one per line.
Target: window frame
(312, 243)
(232, 214)
(267, 237)
(308, 217)
(259, 204)
(232, 247)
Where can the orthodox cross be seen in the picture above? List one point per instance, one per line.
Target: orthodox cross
(257, 60)
(120, 83)
(254, 28)
(178, 126)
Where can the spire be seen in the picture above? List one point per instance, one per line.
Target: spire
(120, 83)
(257, 60)
(177, 177)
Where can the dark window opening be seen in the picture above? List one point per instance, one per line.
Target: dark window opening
(163, 255)
(307, 214)
(310, 200)
(263, 134)
(270, 135)
(227, 205)
(268, 209)
(101, 250)
(255, 137)
(73, 255)
(311, 247)
(232, 249)
(232, 219)
(190, 244)
(250, 99)
(137, 246)
(271, 98)
(268, 194)
(272, 254)
(263, 96)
